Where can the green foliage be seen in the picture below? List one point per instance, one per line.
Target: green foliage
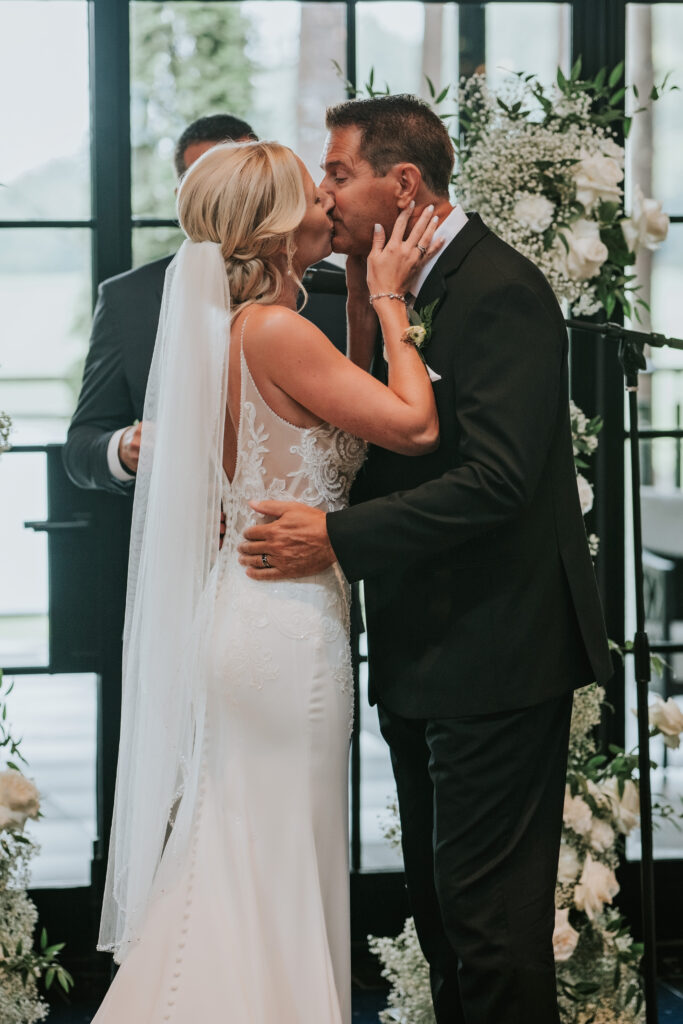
(187, 61)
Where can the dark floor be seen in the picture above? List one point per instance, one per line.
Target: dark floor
(368, 1003)
(366, 1007)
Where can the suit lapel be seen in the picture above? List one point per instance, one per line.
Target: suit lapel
(453, 255)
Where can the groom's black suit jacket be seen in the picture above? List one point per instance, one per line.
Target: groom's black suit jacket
(479, 588)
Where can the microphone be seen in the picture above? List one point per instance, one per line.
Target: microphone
(325, 280)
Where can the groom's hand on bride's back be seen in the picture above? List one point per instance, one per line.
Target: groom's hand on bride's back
(295, 543)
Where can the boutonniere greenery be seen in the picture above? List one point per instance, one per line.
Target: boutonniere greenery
(420, 330)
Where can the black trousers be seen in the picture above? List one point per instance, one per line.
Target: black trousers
(481, 800)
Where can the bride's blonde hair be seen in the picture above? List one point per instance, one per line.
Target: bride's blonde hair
(248, 197)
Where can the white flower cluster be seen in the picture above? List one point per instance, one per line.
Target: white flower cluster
(19, 800)
(584, 431)
(5, 427)
(549, 186)
(665, 717)
(410, 999)
(20, 1002)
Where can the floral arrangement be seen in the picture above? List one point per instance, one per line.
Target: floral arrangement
(5, 427)
(545, 171)
(595, 956)
(21, 964)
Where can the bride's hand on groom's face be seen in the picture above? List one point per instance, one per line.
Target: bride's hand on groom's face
(295, 543)
(392, 266)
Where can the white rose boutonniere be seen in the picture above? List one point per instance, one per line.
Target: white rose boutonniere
(416, 335)
(420, 331)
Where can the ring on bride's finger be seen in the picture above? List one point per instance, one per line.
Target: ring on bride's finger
(265, 562)
(422, 248)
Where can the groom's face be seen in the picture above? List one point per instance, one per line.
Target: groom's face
(361, 199)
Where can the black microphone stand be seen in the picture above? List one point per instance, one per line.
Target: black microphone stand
(632, 359)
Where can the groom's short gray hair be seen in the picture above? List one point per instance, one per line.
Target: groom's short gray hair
(399, 129)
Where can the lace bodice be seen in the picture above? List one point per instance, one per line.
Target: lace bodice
(278, 460)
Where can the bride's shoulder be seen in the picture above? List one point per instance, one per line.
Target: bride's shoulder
(280, 324)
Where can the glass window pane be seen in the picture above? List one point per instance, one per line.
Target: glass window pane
(151, 244)
(406, 42)
(56, 718)
(513, 31)
(662, 514)
(667, 313)
(377, 786)
(654, 35)
(45, 308)
(23, 555)
(191, 59)
(44, 116)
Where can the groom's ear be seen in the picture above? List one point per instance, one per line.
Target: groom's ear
(408, 181)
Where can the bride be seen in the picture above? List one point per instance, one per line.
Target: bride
(227, 884)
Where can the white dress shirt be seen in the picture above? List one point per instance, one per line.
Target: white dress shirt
(113, 460)
(448, 229)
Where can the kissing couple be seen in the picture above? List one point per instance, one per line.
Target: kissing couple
(439, 473)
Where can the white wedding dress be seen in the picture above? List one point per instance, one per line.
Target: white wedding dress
(257, 931)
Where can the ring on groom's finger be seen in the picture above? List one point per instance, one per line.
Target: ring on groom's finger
(266, 564)
(422, 248)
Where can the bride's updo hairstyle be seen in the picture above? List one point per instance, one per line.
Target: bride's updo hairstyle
(248, 197)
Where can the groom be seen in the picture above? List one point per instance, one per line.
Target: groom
(482, 609)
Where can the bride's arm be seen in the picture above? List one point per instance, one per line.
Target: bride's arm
(306, 366)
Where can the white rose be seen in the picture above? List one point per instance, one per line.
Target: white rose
(608, 147)
(576, 814)
(534, 212)
(565, 937)
(10, 818)
(569, 865)
(19, 793)
(648, 225)
(666, 716)
(587, 252)
(596, 887)
(625, 808)
(601, 835)
(597, 177)
(585, 493)
(594, 790)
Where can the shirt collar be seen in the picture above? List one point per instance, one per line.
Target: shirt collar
(448, 229)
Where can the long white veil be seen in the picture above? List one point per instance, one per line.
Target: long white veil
(171, 583)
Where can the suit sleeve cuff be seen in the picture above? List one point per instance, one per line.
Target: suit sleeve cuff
(113, 460)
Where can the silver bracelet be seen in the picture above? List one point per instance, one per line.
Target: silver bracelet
(386, 295)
